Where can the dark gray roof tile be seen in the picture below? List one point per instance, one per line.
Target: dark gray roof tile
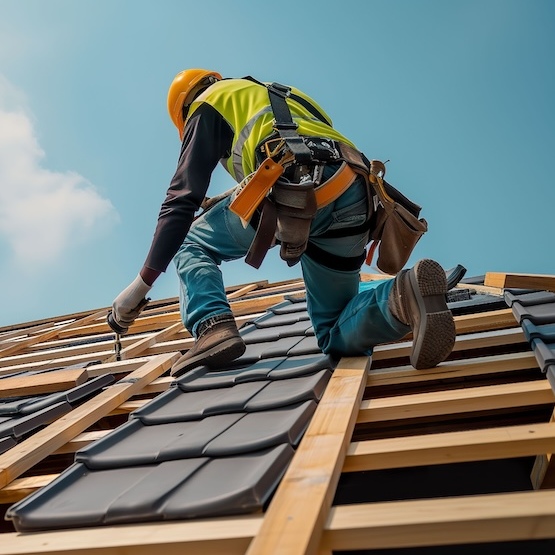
(254, 334)
(83, 497)
(27, 405)
(537, 314)
(6, 443)
(177, 406)
(260, 430)
(217, 442)
(544, 332)
(285, 392)
(476, 304)
(269, 349)
(136, 444)
(211, 491)
(544, 353)
(227, 378)
(143, 500)
(290, 305)
(14, 407)
(550, 374)
(170, 490)
(529, 299)
(307, 346)
(270, 320)
(296, 366)
(18, 426)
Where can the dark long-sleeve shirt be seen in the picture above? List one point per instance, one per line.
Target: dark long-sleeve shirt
(207, 139)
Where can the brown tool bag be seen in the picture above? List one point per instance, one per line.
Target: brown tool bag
(396, 227)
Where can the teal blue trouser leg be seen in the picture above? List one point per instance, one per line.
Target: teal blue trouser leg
(348, 322)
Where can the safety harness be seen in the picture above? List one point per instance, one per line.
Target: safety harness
(281, 198)
(286, 190)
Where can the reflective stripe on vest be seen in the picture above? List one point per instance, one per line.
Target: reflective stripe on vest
(246, 108)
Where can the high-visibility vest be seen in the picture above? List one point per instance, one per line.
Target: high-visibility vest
(245, 105)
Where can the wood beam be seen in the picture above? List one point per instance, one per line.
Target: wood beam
(484, 321)
(47, 335)
(217, 536)
(451, 447)
(22, 487)
(543, 471)
(138, 348)
(443, 521)
(457, 401)
(45, 382)
(417, 523)
(524, 281)
(464, 342)
(295, 518)
(453, 369)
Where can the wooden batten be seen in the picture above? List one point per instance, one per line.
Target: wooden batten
(524, 281)
(37, 384)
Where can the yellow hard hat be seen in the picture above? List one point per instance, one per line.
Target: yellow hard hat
(184, 88)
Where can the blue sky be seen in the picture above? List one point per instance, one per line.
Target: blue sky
(458, 95)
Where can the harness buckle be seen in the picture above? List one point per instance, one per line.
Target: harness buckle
(285, 126)
(279, 89)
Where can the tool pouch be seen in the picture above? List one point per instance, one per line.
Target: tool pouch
(395, 228)
(295, 207)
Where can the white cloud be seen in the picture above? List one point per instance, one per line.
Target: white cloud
(43, 213)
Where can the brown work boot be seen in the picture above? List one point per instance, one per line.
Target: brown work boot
(418, 300)
(218, 343)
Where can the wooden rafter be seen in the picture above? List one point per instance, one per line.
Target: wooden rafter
(294, 521)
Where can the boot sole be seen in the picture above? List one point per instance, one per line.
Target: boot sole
(224, 352)
(434, 331)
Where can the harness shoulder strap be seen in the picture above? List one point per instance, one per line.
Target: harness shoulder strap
(284, 124)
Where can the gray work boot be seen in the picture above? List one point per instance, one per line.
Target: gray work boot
(217, 343)
(418, 300)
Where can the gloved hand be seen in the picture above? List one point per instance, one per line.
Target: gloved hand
(128, 305)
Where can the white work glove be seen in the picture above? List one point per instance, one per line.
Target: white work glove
(128, 305)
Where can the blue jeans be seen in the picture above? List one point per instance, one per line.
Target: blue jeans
(346, 322)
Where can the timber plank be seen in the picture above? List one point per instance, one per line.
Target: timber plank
(464, 342)
(56, 362)
(451, 447)
(41, 353)
(22, 487)
(444, 521)
(45, 336)
(492, 320)
(11, 337)
(457, 401)
(139, 347)
(295, 518)
(216, 536)
(122, 367)
(524, 281)
(243, 291)
(81, 440)
(150, 323)
(453, 369)
(543, 472)
(26, 454)
(45, 382)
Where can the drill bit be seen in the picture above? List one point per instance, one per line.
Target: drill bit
(117, 346)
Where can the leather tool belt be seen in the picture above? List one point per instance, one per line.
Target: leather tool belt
(296, 192)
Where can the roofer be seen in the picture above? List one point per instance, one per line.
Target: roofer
(303, 185)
